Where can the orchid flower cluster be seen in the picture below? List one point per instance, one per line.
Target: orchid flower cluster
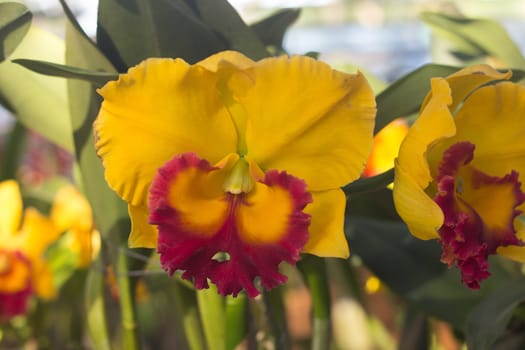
(209, 154)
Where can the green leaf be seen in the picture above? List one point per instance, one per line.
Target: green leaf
(61, 70)
(489, 319)
(62, 260)
(477, 35)
(48, 112)
(221, 17)
(15, 20)
(404, 96)
(412, 269)
(109, 210)
(370, 184)
(131, 31)
(271, 29)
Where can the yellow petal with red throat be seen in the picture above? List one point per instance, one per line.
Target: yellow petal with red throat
(228, 238)
(422, 215)
(159, 109)
(327, 237)
(10, 209)
(299, 115)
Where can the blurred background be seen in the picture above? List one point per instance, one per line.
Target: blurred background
(383, 37)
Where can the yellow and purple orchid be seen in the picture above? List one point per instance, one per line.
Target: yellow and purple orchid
(24, 270)
(231, 166)
(459, 170)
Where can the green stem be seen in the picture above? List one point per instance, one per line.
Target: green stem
(277, 317)
(314, 271)
(212, 311)
(187, 304)
(129, 325)
(96, 313)
(236, 312)
(12, 152)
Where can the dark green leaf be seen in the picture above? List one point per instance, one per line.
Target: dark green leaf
(378, 204)
(404, 96)
(131, 31)
(61, 70)
(221, 17)
(369, 184)
(15, 20)
(271, 30)
(490, 318)
(477, 36)
(412, 269)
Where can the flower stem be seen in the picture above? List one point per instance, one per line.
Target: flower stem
(212, 311)
(96, 314)
(277, 317)
(129, 326)
(236, 312)
(314, 271)
(187, 304)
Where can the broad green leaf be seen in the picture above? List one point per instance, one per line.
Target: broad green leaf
(404, 96)
(38, 101)
(61, 70)
(15, 20)
(489, 319)
(477, 35)
(412, 269)
(221, 17)
(271, 29)
(109, 210)
(131, 31)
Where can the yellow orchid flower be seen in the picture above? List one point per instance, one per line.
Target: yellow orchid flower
(23, 268)
(231, 166)
(457, 173)
(72, 212)
(386, 147)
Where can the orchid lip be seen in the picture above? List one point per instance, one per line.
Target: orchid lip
(479, 212)
(232, 243)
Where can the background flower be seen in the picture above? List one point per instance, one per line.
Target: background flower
(458, 170)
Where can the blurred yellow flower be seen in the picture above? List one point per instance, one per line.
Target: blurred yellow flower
(72, 212)
(386, 147)
(23, 241)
